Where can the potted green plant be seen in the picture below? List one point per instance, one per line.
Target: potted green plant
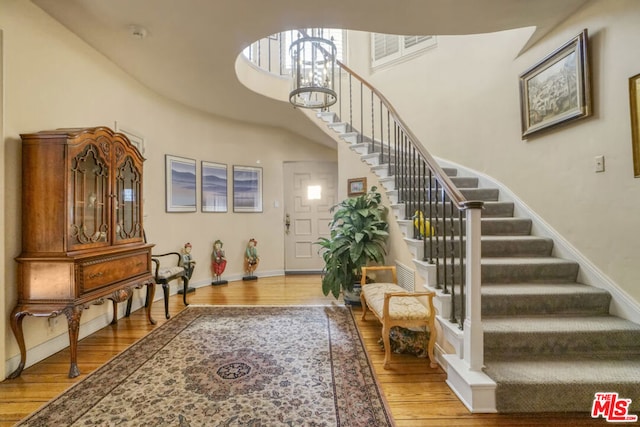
(358, 236)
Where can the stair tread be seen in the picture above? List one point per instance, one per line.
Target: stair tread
(524, 238)
(525, 260)
(549, 371)
(550, 324)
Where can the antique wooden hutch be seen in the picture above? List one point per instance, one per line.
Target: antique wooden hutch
(82, 231)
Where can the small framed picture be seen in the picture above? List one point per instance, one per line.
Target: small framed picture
(180, 184)
(557, 89)
(356, 186)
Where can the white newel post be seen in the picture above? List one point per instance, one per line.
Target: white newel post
(473, 331)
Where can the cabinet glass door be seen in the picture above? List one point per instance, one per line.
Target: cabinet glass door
(128, 199)
(89, 191)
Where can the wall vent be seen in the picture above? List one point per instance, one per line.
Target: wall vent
(406, 277)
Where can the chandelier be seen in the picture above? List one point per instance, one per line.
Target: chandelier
(313, 60)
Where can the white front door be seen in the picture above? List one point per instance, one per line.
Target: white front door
(310, 190)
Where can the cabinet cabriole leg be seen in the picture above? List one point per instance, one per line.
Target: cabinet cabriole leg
(16, 327)
(73, 319)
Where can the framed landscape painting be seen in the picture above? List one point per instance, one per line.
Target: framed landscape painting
(180, 176)
(557, 89)
(247, 189)
(214, 187)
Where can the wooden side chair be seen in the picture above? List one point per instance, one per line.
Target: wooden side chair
(164, 273)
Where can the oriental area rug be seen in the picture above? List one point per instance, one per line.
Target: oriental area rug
(232, 366)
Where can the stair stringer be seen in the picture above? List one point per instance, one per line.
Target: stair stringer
(622, 304)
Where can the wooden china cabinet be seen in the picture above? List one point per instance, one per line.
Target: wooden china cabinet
(82, 235)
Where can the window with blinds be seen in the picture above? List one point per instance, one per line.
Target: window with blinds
(387, 48)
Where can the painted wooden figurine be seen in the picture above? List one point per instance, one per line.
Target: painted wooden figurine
(189, 264)
(218, 262)
(251, 260)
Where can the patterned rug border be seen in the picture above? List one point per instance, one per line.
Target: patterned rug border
(158, 338)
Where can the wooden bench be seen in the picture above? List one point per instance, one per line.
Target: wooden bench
(395, 306)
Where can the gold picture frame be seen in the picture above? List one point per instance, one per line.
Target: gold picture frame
(557, 89)
(356, 186)
(634, 101)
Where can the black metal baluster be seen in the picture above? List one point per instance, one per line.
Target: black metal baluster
(361, 112)
(463, 278)
(430, 216)
(436, 217)
(350, 103)
(382, 156)
(452, 263)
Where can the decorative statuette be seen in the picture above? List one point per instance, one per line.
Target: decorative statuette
(218, 262)
(251, 260)
(187, 261)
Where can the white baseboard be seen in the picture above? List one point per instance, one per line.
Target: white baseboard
(474, 388)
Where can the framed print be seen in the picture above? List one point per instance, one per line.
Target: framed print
(634, 98)
(556, 90)
(356, 186)
(247, 189)
(180, 175)
(214, 187)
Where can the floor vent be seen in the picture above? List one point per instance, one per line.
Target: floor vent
(406, 277)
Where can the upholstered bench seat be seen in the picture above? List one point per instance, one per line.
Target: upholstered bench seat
(395, 306)
(170, 272)
(399, 308)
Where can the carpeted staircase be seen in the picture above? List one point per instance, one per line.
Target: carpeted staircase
(549, 341)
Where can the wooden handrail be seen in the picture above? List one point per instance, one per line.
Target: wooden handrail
(456, 196)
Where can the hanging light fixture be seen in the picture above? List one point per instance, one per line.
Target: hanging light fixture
(313, 60)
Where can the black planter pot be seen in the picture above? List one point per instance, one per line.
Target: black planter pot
(353, 297)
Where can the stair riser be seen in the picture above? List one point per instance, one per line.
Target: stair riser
(559, 344)
(451, 172)
(537, 305)
(527, 248)
(505, 227)
(492, 249)
(490, 210)
(525, 273)
(426, 195)
(494, 227)
(513, 274)
(530, 273)
(571, 397)
(460, 182)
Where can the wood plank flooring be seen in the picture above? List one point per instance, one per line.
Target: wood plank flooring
(417, 394)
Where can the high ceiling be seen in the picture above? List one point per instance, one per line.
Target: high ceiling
(191, 47)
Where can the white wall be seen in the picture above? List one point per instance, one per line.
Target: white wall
(462, 100)
(53, 79)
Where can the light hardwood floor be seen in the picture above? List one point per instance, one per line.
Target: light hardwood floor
(417, 395)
